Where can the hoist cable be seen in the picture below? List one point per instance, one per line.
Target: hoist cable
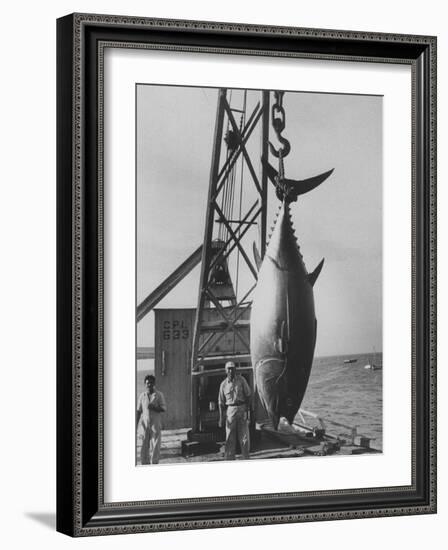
(242, 122)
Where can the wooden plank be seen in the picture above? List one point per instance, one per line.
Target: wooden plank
(221, 325)
(214, 359)
(221, 371)
(145, 353)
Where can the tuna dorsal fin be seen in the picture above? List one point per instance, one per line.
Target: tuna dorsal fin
(315, 274)
(271, 171)
(257, 257)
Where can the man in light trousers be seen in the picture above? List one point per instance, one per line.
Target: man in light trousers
(234, 404)
(151, 404)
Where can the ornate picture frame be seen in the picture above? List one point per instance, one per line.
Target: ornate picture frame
(81, 43)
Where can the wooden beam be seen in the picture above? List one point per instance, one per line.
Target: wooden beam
(145, 353)
(168, 284)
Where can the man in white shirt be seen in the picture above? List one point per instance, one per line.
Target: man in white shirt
(150, 407)
(234, 404)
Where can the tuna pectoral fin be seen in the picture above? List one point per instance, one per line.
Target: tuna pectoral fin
(315, 274)
(282, 341)
(257, 257)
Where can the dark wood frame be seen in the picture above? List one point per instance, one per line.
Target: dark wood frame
(81, 509)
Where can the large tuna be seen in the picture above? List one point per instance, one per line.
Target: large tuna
(283, 323)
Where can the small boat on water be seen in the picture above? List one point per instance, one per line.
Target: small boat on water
(372, 366)
(347, 361)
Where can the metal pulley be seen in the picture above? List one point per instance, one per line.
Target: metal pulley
(231, 140)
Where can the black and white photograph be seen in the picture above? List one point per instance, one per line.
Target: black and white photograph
(259, 264)
(223, 235)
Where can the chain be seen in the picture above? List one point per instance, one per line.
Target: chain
(281, 166)
(278, 113)
(278, 123)
(279, 179)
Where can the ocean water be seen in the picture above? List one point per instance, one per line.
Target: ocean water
(348, 394)
(345, 393)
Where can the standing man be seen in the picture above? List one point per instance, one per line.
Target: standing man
(234, 404)
(150, 406)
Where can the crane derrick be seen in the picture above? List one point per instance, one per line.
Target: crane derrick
(221, 328)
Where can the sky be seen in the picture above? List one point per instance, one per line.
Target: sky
(341, 220)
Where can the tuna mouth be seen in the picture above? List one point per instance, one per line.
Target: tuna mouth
(269, 382)
(289, 408)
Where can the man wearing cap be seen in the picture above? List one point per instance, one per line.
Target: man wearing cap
(151, 404)
(234, 404)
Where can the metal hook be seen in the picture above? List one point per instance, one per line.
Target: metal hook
(281, 151)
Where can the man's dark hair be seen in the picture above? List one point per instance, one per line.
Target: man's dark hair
(150, 377)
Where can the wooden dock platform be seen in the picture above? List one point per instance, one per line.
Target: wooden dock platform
(292, 443)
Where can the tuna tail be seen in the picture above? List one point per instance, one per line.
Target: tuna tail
(315, 274)
(294, 188)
